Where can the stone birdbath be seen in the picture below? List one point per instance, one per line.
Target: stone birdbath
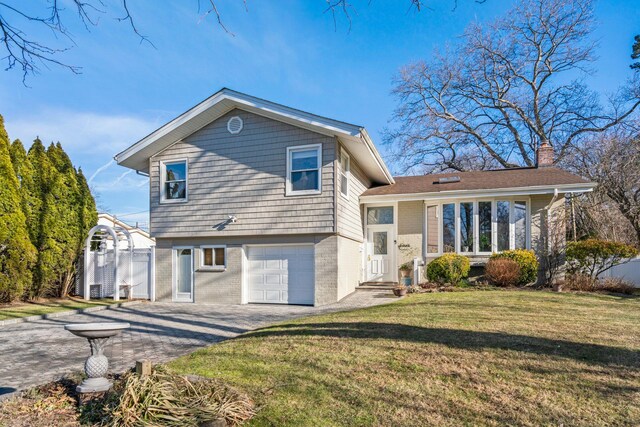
(97, 364)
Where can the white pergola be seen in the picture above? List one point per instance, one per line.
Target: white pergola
(108, 270)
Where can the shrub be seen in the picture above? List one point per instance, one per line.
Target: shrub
(592, 257)
(448, 268)
(527, 262)
(584, 283)
(502, 272)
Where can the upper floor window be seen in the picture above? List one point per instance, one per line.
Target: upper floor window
(304, 165)
(345, 171)
(174, 181)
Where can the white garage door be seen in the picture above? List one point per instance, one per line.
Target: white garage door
(281, 274)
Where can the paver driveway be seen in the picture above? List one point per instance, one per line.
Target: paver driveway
(34, 353)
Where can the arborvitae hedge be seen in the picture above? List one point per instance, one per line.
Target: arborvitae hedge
(17, 254)
(46, 212)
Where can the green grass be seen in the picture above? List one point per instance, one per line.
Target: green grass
(13, 311)
(463, 358)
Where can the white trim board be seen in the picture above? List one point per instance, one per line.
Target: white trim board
(465, 194)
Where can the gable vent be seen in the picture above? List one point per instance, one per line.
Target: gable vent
(234, 125)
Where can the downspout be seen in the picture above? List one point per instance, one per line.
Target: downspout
(547, 210)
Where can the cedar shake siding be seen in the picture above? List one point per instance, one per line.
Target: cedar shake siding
(349, 212)
(243, 175)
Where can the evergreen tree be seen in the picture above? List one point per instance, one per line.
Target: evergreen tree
(42, 220)
(24, 171)
(635, 52)
(65, 218)
(17, 254)
(88, 211)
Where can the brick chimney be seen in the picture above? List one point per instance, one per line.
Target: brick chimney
(544, 155)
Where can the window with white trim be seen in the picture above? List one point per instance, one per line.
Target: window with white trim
(477, 227)
(213, 257)
(174, 181)
(304, 165)
(345, 171)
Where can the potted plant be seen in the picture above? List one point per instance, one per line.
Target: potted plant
(400, 290)
(405, 273)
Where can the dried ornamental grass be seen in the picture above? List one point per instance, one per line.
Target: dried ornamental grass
(167, 399)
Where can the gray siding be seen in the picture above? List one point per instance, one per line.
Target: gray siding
(349, 216)
(243, 175)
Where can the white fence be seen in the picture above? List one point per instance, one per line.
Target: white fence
(101, 273)
(629, 271)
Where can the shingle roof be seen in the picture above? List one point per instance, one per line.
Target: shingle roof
(478, 180)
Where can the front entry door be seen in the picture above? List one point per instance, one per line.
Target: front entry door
(183, 281)
(380, 240)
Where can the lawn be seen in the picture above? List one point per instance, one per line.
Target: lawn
(461, 358)
(13, 311)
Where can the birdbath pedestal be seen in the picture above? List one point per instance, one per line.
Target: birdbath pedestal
(96, 365)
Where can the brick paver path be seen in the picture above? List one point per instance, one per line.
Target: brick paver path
(37, 352)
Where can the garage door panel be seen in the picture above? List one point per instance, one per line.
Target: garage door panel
(272, 279)
(283, 275)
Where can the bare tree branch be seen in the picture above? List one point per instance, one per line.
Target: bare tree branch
(28, 54)
(504, 90)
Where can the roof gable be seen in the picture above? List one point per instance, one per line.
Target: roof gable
(354, 137)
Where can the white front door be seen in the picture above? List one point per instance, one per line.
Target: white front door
(183, 275)
(380, 249)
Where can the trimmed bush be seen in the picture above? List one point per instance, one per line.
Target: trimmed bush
(592, 257)
(527, 262)
(448, 268)
(502, 272)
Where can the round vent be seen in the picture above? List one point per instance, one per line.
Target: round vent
(234, 125)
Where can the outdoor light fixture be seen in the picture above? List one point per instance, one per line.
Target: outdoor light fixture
(233, 219)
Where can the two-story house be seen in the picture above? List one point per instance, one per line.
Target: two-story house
(255, 202)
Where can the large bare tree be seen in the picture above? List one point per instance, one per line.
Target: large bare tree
(503, 90)
(21, 50)
(613, 161)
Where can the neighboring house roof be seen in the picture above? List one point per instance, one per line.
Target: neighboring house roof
(355, 138)
(130, 228)
(530, 180)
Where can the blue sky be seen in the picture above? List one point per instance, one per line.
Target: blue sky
(287, 51)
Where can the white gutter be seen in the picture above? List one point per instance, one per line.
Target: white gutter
(495, 192)
(376, 155)
(547, 209)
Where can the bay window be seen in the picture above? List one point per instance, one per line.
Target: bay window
(485, 235)
(502, 225)
(520, 224)
(449, 227)
(477, 226)
(466, 227)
